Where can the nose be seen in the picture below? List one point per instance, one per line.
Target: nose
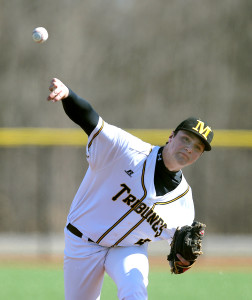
(188, 149)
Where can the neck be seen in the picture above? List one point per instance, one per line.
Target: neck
(169, 162)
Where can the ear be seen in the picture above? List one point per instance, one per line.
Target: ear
(171, 136)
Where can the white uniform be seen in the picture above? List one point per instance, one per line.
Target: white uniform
(117, 208)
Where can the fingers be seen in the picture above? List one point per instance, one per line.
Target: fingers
(182, 260)
(58, 90)
(54, 88)
(54, 84)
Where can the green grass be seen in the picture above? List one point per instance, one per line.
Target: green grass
(47, 283)
(201, 286)
(31, 283)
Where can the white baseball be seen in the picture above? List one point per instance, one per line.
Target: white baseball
(40, 35)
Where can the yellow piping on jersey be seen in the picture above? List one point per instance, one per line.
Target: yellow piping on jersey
(127, 233)
(152, 209)
(128, 212)
(95, 135)
(170, 201)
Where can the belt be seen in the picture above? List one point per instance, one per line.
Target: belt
(76, 231)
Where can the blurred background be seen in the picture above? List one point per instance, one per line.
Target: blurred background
(143, 65)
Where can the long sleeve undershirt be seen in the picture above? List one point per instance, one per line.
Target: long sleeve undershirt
(83, 114)
(80, 112)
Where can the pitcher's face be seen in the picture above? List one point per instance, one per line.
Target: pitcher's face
(183, 149)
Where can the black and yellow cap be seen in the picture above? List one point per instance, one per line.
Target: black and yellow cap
(200, 128)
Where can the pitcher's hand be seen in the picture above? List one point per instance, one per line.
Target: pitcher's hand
(58, 90)
(183, 262)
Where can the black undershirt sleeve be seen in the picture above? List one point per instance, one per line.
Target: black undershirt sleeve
(80, 112)
(83, 114)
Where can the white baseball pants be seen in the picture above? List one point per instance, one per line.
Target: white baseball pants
(85, 264)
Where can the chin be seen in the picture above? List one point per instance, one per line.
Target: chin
(182, 160)
(182, 163)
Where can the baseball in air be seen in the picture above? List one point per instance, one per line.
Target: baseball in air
(40, 35)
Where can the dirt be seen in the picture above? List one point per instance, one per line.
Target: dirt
(232, 263)
(211, 263)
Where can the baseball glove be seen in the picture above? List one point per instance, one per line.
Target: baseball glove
(187, 242)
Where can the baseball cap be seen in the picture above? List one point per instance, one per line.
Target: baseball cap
(199, 128)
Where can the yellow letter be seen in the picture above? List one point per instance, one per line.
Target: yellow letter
(203, 131)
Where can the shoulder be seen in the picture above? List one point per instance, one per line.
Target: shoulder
(118, 136)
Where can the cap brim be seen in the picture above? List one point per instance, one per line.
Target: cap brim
(207, 145)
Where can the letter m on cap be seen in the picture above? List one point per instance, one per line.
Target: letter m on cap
(204, 131)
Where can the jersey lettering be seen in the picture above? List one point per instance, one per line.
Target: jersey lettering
(160, 230)
(135, 204)
(146, 213)
(157, 224)
(140, 208)
(152, 218)
(154, 226)
(129, 199)
(125, 188)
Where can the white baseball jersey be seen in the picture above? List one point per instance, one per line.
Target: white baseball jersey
(116, 203)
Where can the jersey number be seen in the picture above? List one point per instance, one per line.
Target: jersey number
(142, 241)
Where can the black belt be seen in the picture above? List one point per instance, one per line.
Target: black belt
(76, 231)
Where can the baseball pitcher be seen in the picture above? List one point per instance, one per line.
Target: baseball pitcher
(132, 194)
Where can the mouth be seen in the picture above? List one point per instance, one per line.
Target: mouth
(185, 155)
